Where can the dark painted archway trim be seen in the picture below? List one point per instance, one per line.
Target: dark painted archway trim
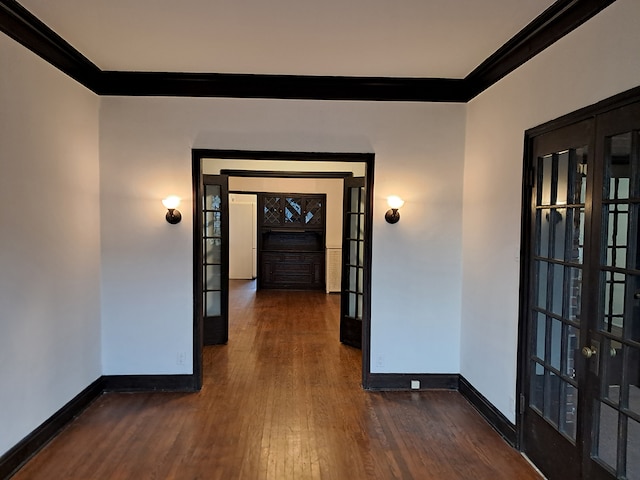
(279, 174)
(197, 155)
(554, 23)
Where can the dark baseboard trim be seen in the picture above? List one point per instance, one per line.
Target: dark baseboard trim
(149, 383)
(447, 381)
(17, 456)
(402, 381)
(491, 414)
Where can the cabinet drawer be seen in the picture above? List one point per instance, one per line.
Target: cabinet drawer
(292, 270)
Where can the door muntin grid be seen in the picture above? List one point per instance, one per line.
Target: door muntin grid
(557, 287)
(616, 417)
(212, 251)
(355, 265)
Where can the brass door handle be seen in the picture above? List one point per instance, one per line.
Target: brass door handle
(588, 352)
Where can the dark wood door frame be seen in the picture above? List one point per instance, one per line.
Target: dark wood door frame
(197, 155)
(584, 114)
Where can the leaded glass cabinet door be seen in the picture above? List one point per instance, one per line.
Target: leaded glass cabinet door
(351, 308)
(613, 448)
(313, 212)
(559, 164)
(293, 211)
(215, 255)
(271, 210)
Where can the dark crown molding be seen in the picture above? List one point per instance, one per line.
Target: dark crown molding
(18, 23)
(554, 23)
(303, 87)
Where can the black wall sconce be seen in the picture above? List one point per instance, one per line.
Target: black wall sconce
(395, 202)
(171, 203)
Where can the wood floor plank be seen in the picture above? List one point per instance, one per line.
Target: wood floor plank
(281, 401)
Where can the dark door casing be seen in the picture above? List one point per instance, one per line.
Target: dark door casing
(579, 360)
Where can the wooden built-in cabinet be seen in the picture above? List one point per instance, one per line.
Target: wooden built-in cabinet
(291, 239)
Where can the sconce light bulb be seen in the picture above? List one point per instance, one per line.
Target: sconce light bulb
(395, 202)
(171, 202)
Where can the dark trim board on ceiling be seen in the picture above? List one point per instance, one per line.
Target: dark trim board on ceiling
(554, 23)
(18, 23)
(300, 87)
(558, 20)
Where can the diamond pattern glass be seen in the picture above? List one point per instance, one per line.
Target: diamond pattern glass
(271, 211)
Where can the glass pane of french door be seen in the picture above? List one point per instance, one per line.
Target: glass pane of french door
(558, 267)
(615, 443)
(583, 300)
(352, 303)
(558, 237)
(212, 211)
(215, 259)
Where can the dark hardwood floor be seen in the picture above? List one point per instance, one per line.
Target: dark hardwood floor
(281, 401)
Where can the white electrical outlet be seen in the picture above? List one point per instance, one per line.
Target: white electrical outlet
(415, 384)
(380, 361)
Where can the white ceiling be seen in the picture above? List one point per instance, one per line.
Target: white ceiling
(389, 38)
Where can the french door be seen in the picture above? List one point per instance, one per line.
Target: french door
(352, 301)
(558, 218)
(581, 390)
(215, 259)
(614, 336)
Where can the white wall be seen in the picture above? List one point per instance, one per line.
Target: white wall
(51, 345)
(49, 241)
(596, 61)
(145, 149)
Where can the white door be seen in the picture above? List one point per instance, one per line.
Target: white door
(241, 240)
